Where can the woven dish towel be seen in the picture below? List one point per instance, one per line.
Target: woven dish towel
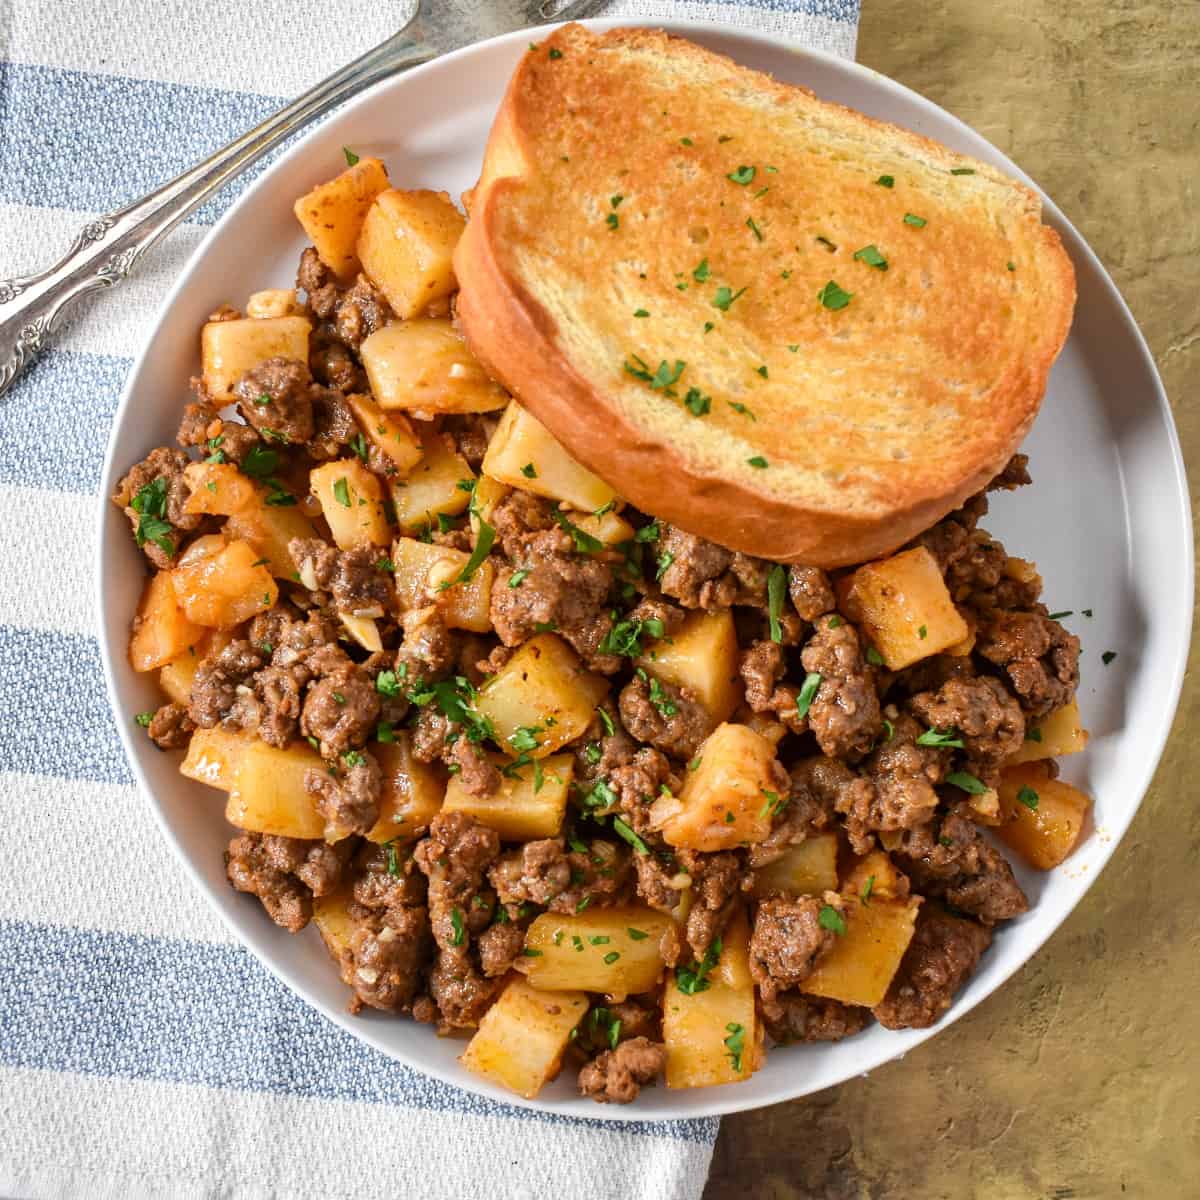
(143, 1052)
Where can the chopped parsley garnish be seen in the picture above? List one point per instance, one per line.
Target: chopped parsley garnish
(915, 221)
(1087, 612)
(151, 506)
(1033, 735)
(686, 141)
(262, 399)
(1108, 656)
(576, 941)
(1058, 616)
(812, 681)
(776, 589)
(871, 256)
(709, 327)
(829, 918)
(613, 221)
(648, 533)
(775, 804)
(483, 547)
(384, 732)
(611, 957)
(525, 737)
(338, 697)
(922, 632)
(529, 471)
(353, 758)
(453, 698)
(754, 229)
(386, 683)
(889, 732)
(962, 170)
(694, 978)
(742, 176)
(966, 781)
(874, 657)
(144, 719)
(615, 201)
(697, 403)
(584, 542)
(741, 409)
(735, 1044)
(456, 922)
(868, 887)
(600, 939)
(725, 297)
(834, 622)
(393, 858)
(834, 297)
(701, 272)
(518, 577)
(662, 563)
(640, 312)
(351, 157)
(341, 492)
(659, 698)
(758, 462)
(624, 638)
(1028, 797)
(827, 244)
(555, 53)
(385, 565)
(886, 181)
(638, 935)
(761, 371)
(528, 952)
(1012, 266)
(664, 377)
(941, 737)
(622, 830)
(606, 721)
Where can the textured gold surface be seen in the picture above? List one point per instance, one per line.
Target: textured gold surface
(1080, 1077)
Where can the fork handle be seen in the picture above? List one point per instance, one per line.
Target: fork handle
(107, 249)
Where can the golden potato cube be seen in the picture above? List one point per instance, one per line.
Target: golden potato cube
(161, 629)
(392, 434)
(520, 810)
(610, 527)
(331, 916)
(809, 869)
(425, 366)
(220, 584)
(1062, 732)
(407, 247)
(1041, 818)
(522, 1037)
(701, 657)
(543, 687)
(269, 528)
(267, 795)
(175, 678)
(421, 570)
(903, 607)
(862, 962)
(488, 493)
(228, 349)
(712, 1035)
(727, 800)
(616, 951)
(432, 487)
(525, 454)
(218, 489)
(274, 302)
(332, 214)
(412, 795)
(212, 755)
(352, 502)
(877, 870)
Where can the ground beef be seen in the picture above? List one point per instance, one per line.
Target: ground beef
(454, 857)
(284, 873)
(429, 648)
(788, 940)
(667, 717)
(341, 708)
(347, 795)
(353, 577)
(333, 366)
(660, 883)
(312, 276)
(429, 734)
(476, 772)
(168, 465)
(276, 395)
(471, 433)
(598, 876)
(333, 424)
(171, 728)
(762, 668)
(216, 684)
(1014, 475)
(200, 422)
(278, 693)
(534, 874)
(717, 882)
(983, 712)
(499, 947)
(387, 959)
(795, 1017)
(516, 517)
(359, 312)
(949, 858)
(702, 574)
(617, 1076)
(636, 782)
(459, 989)
(810, 590)
(941, 957)
(844, 714)
(1039, 657)
(388, 878)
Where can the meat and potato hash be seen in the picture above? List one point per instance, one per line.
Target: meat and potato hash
(539, 766)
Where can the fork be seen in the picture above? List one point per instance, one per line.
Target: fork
(107, 249)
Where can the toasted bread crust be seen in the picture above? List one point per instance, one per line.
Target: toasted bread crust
(830, 495)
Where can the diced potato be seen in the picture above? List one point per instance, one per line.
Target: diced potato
(412, 794)
(218, 489)
(220, 584)
(610, 528)
(764, 724)
(269, 528)
(887, 883)
(161, 629)
(596, 952)
(522, 442)
(1041, 818)
(809, 869)
(712, 1036)
(228, 349)
(352, 502)
(522, 1037)
(392, 434)
(862, 962)
(267, 795)
(175, 678)
(407, 245)
(425, 366)
(727, 800)
(1062, 732)
(519, 810)
(701, 657)
(432, 487)
(421, 569)
(331, 916)
(903, 607)
(544, 687)
(488, 493)
(274, 302)
(332, 214)
(212, 755)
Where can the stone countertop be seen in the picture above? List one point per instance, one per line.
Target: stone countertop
(1080, 1077)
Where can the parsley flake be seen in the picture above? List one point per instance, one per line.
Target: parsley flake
(776, 589)
(725, 297)
(812, 681)
(886, 181)
(1028, 797)
(871, 256)
(829, 918)
(967, 782)
(742, 176)
(351, 157)
(834, 297)
(758, 462)
(915, 221)
(341, 492)
(941, 737)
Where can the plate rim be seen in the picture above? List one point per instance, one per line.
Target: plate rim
(1081, 253)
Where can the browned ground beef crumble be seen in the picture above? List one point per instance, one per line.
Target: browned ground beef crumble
(440, 919)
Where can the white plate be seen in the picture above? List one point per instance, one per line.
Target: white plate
(1107, 521)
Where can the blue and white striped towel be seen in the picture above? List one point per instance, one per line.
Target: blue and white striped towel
(143, 1052)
